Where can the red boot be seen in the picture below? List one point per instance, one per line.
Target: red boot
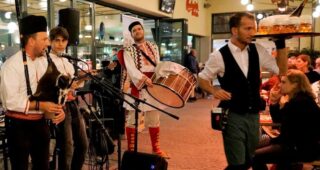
(154, 136)
(130, 138)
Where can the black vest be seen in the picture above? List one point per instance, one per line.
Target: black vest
(244, 90)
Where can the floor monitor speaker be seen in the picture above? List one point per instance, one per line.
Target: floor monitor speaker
(143, 161)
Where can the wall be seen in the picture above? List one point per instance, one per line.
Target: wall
(196, 25)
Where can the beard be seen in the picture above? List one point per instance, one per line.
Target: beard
(39, 53)
(244, 41)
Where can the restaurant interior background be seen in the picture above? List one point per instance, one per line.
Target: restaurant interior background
(191, 24)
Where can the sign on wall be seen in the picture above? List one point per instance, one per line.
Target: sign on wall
(192, 6)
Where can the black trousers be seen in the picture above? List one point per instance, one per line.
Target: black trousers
(276, 154)
(26, 138)
(72, 139)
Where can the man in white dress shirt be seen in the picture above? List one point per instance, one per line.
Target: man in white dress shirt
(26, 129)
(237, 66)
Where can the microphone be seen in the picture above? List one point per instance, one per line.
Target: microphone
(67, 56)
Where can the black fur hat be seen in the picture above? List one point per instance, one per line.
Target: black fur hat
(32, 24)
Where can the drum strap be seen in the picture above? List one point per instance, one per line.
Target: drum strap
(145, 55)
(26, 72)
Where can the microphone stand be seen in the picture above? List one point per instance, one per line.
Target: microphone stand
(119, 94)
(101, 126)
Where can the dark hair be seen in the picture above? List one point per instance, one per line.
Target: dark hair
(114, 49)
(134, 24)
(305, 58)
(235, 20)
(58, 31)
(25, 39)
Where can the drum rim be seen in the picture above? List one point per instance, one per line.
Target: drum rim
(177, 107)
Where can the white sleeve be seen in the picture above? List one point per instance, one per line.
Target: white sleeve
(13, 96)
(266, 60)
(213, 67)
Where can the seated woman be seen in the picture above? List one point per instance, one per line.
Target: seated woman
(303, 63)
(299, 116)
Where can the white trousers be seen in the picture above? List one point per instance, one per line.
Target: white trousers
(152, 118)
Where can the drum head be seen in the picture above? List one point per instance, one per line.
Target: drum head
(165, 96)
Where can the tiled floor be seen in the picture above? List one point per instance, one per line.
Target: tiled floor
(190, 141)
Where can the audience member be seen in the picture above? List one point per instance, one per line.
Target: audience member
(193, 66)
(303, 63)
(299, 116)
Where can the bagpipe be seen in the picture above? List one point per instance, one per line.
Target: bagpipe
(53, 86)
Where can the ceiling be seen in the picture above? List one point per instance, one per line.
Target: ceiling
(39, 7)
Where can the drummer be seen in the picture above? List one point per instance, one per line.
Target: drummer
(140, 60)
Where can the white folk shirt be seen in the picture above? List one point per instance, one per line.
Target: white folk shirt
(13, 82)
(136, 75)
(63, 65)
(215, 64)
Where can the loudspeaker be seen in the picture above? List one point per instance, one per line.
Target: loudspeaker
(69, 18)
(142, 161)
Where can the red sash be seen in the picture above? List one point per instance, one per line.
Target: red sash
(23, 116)
(120, 58)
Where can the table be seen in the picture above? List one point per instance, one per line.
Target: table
(268, 126)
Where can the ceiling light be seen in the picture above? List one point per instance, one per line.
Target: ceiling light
(9, 1)
(244, 2)
(12, 27)
(318, 8)
(260, 16)
(282, 9)
(43, 4)
(7, 15)
(88, 27)
(315, 14)
(62, 0)
(282, 6)
(250, 7)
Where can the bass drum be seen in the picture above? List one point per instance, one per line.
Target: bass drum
(172, 84)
